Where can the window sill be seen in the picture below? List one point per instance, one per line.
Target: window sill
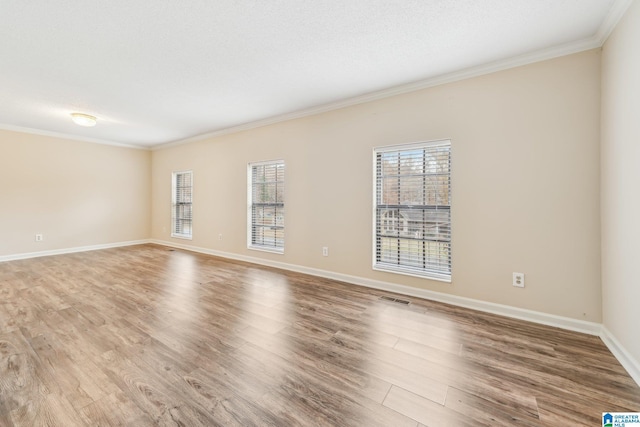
(270, 250)
(437, 277)
(182, 236)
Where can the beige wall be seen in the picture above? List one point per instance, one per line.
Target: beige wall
(620, 199)
(74, 193)
(525, 184)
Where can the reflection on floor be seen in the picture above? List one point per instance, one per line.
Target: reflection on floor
(143, 336)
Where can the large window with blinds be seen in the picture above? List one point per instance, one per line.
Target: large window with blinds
(266, 206)
(412, 209)
(181, 205)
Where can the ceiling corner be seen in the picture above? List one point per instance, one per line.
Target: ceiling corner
(617, 11)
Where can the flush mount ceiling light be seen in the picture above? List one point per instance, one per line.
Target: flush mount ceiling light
(83, 119)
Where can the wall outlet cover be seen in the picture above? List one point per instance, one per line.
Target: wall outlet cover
(518, 280)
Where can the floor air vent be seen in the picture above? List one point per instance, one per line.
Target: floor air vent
(391, 299)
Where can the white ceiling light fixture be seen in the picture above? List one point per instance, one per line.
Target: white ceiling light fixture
(83, 119)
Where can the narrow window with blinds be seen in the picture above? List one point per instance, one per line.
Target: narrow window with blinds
(181, 205)
(266, 206)
(412, 218)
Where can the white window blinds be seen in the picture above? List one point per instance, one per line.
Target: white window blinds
(266, 206)
(181, 206)
(413, 209)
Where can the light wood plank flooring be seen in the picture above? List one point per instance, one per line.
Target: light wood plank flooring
(145, 336)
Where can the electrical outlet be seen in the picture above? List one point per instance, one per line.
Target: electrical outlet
(325, 251)
(39, 238)
(518, 280)
(220, 236)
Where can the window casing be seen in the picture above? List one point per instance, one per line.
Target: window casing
(412, 209)
(182, 205)
(265, 217)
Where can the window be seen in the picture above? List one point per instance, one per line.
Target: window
(266, 206)
(412, 217)
(181, 204)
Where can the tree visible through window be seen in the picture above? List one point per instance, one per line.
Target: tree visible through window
(413, 209)
(266, 206)
(181, 205)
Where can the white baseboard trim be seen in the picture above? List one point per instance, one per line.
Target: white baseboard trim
(627, 361)
(567, 323)
(28, 255)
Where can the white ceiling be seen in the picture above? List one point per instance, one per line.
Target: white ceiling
(159, 71)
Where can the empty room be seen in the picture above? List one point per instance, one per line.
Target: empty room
(294, 213)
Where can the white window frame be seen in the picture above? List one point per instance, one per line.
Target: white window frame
(379, 265)
(250, 203)
(174, 195)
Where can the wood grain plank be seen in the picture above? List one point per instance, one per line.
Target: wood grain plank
(489, 411)
(426, 411)
(144, 335)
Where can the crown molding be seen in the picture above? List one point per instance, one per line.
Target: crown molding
(615, 14)
(62, 135)
(476, 71)
(617, 11)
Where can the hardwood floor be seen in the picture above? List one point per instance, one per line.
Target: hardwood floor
(145, 336)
